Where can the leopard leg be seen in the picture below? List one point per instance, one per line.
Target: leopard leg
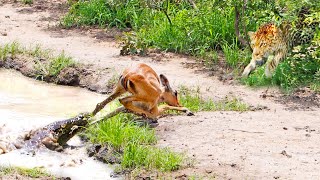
(250, 67)
(273, 62)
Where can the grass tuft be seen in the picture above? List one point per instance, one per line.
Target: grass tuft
(46, 64)
(134, 143)
(120, 131)
(192, 99)
(10, 50)
(58, 63)
(29, 2)
(150, 157)
(26, 172)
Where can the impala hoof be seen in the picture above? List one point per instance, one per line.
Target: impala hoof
(189, 113)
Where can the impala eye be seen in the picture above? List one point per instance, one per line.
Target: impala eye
(175, 93)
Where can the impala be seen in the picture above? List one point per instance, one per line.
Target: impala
(147, 90)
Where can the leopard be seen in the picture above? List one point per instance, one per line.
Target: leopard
(270, 44)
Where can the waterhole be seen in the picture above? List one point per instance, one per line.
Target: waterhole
(27, 104)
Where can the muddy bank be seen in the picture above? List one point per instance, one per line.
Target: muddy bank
(97, 80)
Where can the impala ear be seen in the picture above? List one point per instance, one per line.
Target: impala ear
(165, 82)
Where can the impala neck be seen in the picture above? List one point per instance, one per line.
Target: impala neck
(161, 98)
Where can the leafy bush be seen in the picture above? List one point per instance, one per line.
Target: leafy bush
(178, 26)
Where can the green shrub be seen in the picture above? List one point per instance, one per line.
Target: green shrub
(178, 27)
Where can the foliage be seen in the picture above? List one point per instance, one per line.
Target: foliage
(204, 30)
(134, 143)
(102, 13)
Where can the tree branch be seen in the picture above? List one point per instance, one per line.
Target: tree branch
(236, 27)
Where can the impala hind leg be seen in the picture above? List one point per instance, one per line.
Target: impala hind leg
(116, 93)
(128, 102)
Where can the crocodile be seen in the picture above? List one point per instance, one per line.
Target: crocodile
(55, 135)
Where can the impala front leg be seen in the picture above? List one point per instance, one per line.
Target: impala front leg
(165, 107)
(118, 92)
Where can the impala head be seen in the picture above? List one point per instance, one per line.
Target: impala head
(168, 95)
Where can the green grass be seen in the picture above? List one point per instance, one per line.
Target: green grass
(100, 12)
(26, 172)
(120, 131)
(10, 50)
(58, 63)
(191, 98)
(27, 2)
(150, 157)
(46, 64)
(134, 143)
(191, 31)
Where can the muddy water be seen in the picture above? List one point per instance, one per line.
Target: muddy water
(26, 104)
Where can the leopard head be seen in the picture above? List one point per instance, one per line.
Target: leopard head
(262, 42)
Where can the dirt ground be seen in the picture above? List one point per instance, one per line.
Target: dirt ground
(280, 142)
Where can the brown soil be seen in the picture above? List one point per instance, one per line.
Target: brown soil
(278, 142)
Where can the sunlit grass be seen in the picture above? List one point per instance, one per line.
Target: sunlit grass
(46, 63)
(26, 172)
(192, 99)
(134, 143)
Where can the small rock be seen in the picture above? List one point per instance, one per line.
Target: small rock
(4, 33)
(284, 128)
(285, 154)
(7, 16)
(208, 171)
